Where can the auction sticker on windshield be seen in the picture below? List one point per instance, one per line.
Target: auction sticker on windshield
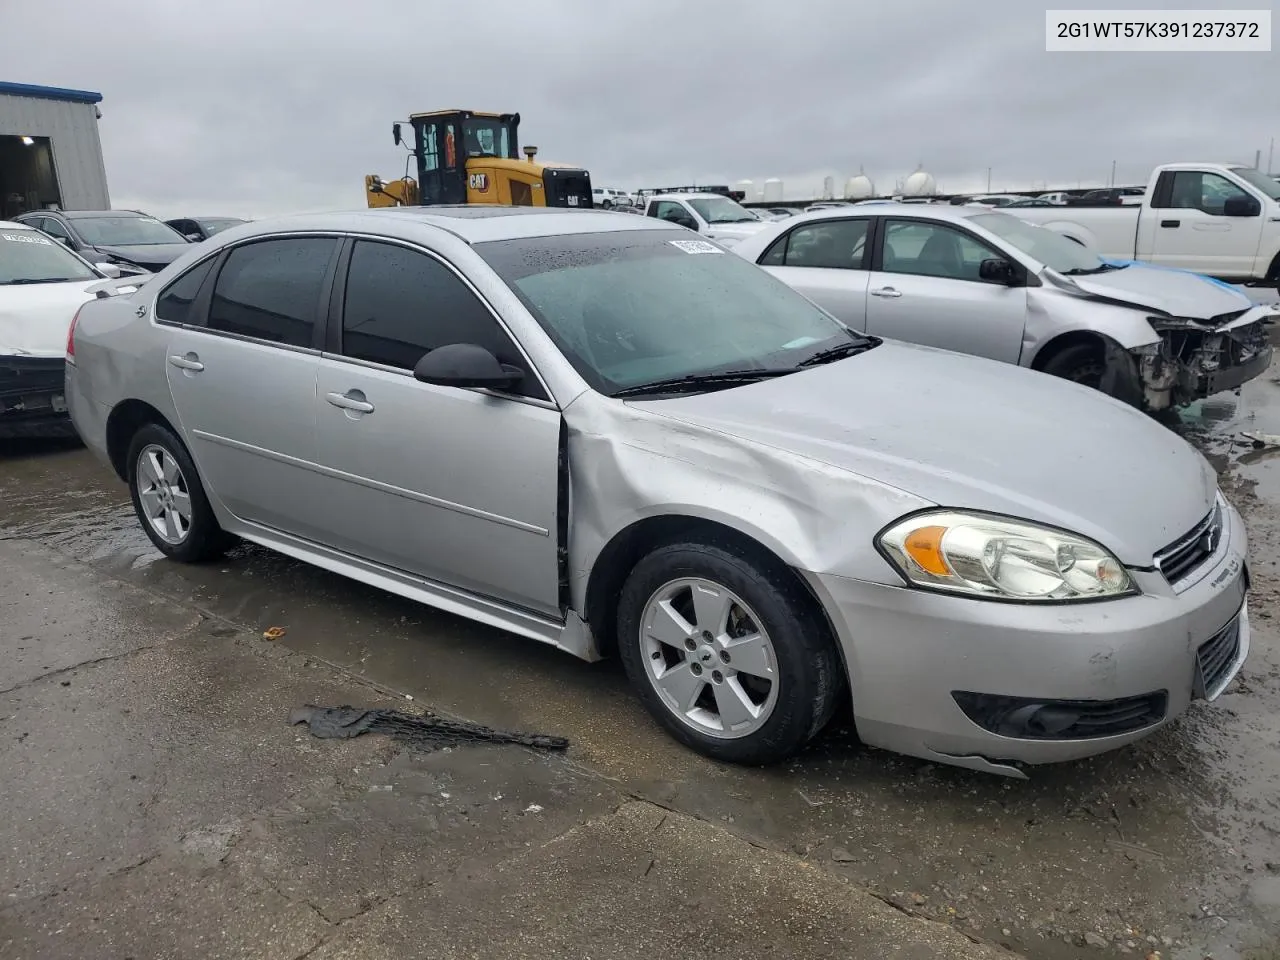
(19, 238)
(695, 246)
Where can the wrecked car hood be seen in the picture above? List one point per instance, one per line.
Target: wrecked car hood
(966, 432)
(34, 318)
(1175, 293)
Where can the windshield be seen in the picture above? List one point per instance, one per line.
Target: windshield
(126, 231)
(1050, 248)
(485, 138)
(1259, 181)
(217, 226)
(30, 257)
(720, 210)
(639, 306)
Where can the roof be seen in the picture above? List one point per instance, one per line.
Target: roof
(474, 113)
(688, 196)
(49, 93)
(89, 214)
(475, 223)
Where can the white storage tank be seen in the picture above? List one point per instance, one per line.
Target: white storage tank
(919, 184)
(773, 190)
(747, 187)
(859, 188)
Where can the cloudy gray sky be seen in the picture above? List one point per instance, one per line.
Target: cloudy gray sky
(254, 107)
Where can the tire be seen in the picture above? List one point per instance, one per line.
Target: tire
(782, 714)
(1081, 363)
(606, 204)
(199, 538)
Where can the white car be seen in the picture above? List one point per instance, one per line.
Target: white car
(42, 285)
(608, 197)
(713, 215)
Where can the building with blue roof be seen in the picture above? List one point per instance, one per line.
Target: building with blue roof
(50, 150)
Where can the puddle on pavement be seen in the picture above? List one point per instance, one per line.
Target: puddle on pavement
(1175, 840)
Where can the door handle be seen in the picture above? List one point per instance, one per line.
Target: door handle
(351, 400)
(1170, 223)
(189, 362)
(886, 292)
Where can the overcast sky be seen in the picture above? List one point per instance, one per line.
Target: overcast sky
(253, 108)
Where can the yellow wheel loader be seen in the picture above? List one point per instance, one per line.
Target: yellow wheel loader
(468, 157)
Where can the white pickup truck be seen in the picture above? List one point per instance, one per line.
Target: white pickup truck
(1219, 219)
(711, 214)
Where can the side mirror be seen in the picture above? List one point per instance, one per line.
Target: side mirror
(996, 271)
(193, 237)
(108, 270)
(1241, 207)
(395, 133)
(466, 365)
(65, 241)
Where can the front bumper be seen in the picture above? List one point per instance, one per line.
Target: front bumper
(908, 652)
(32, 398)
(1207, 385)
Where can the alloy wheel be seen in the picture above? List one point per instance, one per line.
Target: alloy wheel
(709, 658)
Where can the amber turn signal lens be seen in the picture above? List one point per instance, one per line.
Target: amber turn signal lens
(924, 546)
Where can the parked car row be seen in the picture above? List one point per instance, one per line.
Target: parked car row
(617, 436)
(50, 263)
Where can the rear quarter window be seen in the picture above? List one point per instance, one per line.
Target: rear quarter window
(174, 305)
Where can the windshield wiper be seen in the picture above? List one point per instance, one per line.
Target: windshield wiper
(695, 381)
(1086, 271)
(26, 280)
(839, 352)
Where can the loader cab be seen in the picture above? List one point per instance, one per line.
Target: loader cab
(444, 140)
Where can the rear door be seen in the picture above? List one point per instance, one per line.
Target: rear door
(924, 288)
(1189, 229)
(456, 485)
(241, 365)
(826, 261)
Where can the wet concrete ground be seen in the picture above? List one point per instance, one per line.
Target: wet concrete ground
(1172, 846)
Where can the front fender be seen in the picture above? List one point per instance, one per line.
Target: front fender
(628, 465)
(1053, 315)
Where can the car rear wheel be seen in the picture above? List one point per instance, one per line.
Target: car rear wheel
(168, 498)
(727, 655)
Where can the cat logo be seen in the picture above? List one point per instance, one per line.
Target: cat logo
(478, 181)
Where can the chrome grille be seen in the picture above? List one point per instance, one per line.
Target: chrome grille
(1186, 554)
(1215, 658)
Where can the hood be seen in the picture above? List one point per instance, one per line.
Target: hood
(147, 255)
(1175, 293)
(34, 318)
(964, 432)
(735, 231)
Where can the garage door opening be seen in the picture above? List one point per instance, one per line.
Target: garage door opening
(27, 177)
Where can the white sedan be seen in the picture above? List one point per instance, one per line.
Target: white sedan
(42, 285)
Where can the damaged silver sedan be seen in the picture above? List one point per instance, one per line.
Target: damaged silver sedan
(975, 281)
(602, 432)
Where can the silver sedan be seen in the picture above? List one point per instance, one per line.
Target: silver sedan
(602, 432)
(978, 281)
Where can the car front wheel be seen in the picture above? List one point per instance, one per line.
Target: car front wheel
(168, 498)
(726, 653)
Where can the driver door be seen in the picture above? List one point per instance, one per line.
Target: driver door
(459, 486)
(1191, 231)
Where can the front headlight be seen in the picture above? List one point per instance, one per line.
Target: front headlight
(998, 559)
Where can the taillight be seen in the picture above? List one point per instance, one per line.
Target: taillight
(71, 337)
